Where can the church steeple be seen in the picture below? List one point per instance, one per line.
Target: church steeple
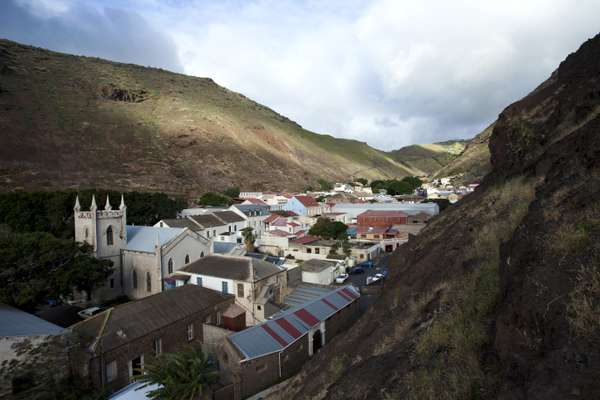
(77, 205)
(107, 207)
(122, 206)
(93, 207)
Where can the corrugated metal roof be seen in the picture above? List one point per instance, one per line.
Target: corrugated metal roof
(280, 332)
(143, 238)
(19, 323)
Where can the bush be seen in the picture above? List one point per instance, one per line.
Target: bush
(214, 199)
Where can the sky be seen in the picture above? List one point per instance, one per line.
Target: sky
(387, 72)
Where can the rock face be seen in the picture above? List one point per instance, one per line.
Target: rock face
(499, 297)
(70, 121)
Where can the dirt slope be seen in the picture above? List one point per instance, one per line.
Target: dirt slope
(70, 121)
(499, 297)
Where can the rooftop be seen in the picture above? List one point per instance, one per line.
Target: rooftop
(144, 238)
(307, 201)
(382, 213)
(19, 323)
(207, 220)
(228, 216)
(314, 265)
(229, 267)
(181, 223)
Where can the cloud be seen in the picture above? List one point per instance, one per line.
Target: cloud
(387, 72)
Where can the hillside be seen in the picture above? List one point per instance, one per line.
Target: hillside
(427, 159)
(473, 162)
(499, 296)
(70, 121)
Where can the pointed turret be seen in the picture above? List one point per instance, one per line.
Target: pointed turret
(122, 205)
(77, 205)
(107, 207)
(93, 207)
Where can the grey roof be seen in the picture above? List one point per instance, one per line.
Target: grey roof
(304, 293)
(353, 209)
(19, 323)
(182, 223)
(229, 216)
(129, 321)
(315, 265)
(207, 220)
(289, 326)
(230, 267)
(253, 209)
(143, 238)
(223, 247)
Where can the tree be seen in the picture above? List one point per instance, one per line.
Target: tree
(364, 181)
(324, 185)
(395, 187)
(214, 199)
(335, 247)
(185, 375)
(346, 248)
(37, 266)
(328, 229)
(413, 182)
(232, 192)
(249, 238)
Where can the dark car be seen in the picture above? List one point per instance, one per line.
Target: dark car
(356, 271)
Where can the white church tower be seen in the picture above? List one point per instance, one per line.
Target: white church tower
(106, 231)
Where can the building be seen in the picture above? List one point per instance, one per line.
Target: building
(223, 223)
(381, 218)
(303, 205)
(255, 216)
(117, 343)
(312, 247)
(260, 356)
(320, 272)
(23, 341)
(354, 209)
(142, 256)
(259, 286)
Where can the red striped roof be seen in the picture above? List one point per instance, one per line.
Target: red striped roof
(307, 317)
(274, 335)
(289, 328)
(330, 304)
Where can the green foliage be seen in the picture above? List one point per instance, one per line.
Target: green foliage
(364, 181)
(214, 199)
(36, 266)
(346, 247)
(396, 187)
(328, 229)
(249, 238)
(183, 375)
(232, 192)
(52, 212)
(324, 185)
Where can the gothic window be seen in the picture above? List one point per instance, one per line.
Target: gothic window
(148, 282)
(187, 259)
(109, 236)
(170, 265)
(201, 254)
(134, 279)
(87, 233)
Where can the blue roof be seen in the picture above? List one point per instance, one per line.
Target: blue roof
(305, 293)
(223, 247)
(143, 238)
(135, 391)
(289, 326)
(19, 323)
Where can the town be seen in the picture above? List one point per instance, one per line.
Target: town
(260, 285)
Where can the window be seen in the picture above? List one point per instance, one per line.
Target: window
(112, 283)
(214, 232)
(190, 332)
(219, 318)
(87, 233)
(224, 287)
(201, 254)
(240, 289)
(157, 346)
(208, 234)
(229, 228)
(317, 250)
(199, 280)
(308, 250)
(208, 319)
(235, 228)
(109, 236)
(170, 266)
(148, 282)
(187, 259)
(136, 366)
(134, 279)
(259, 308)
(111, 371)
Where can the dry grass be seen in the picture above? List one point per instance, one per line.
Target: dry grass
(584, 304)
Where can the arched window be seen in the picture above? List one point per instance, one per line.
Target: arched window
(134, 279)
(170, 265)
(109, 236)
(87, 233)
(148, 282)
(201, 254)
(187, 258)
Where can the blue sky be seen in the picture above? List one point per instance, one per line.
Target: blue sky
(388, 72)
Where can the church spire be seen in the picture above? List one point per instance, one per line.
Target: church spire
(107, 207)
(122, 206)
(93, 207)
(77, 205)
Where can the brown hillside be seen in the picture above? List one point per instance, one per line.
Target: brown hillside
(508, 308)
(70, 121)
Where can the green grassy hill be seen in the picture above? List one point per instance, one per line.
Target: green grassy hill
(70, 121)
(427, 159)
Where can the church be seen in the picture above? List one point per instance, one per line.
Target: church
(142, 256)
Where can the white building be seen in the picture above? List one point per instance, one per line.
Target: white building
(255, 216)
(320, 272)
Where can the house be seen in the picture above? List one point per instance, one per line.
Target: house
(381, 218)
(23, 341)
(312, 247)
(336, 216)
(303, 205)
(211, 223)
(255, 201)
(320, 272)
(254, 214)
(250, 195)
(117, 343)
(258, 285)
(142, 255)
(354, 209)
(260, 356)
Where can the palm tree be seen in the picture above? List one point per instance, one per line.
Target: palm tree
(249, 239)
(185, 375)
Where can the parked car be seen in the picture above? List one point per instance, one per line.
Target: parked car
(356, 271)
(378, 277)
(341, 278)
(90, 312)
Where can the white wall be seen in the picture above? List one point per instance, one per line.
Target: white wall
(324, 277)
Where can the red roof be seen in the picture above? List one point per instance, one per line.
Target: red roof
(307, 201)
(285, 213)
(305, 239)
(280, 233)
(293, 224)
(272, 218)
(371, 229)
(382, 213)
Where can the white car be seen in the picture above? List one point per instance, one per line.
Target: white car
(341, 278)
(374, 278)
(90, 312)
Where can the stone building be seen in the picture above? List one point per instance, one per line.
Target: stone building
(261, 356)
(117, 343)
